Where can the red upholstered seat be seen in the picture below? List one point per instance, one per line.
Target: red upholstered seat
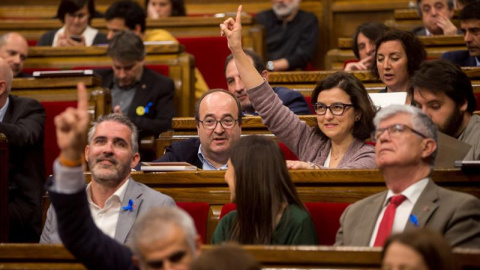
(31, 70)
(52, 109)
(326, 217)
(309, 102)
(199, 213)
(287, 153)
(477, 95)
(210, 54)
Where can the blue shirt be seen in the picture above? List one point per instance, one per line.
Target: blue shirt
(207, 166)
(3, 110)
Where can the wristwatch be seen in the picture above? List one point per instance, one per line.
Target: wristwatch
(270, 66)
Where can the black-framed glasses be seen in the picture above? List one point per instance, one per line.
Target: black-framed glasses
(394, 130)
(211, 123)
(174, 258)
(337, 109)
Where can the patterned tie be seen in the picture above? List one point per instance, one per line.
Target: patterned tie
(386, 224)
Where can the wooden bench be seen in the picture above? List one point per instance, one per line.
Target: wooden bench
(180, 66)
(4, 183)
(434, 45)
(35, 256)
(340, 186)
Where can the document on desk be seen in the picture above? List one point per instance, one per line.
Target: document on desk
(167, 166)
(450, 150)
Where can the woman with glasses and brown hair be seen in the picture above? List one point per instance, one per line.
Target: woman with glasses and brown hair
(269, 211)
(344, 115)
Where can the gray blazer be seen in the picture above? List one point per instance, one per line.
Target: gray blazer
(143, 198)
(454, 214)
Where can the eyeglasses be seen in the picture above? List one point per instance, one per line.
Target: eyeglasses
(211, 123)
(394, 130)
(174, 258)
(337, 109)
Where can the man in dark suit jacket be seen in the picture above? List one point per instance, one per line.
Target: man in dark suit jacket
(436, 18)
(22, 121)
(406, 146)
(292, 99)
(143, 95)
(469, 23)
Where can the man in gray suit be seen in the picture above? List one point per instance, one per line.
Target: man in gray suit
(115, 199)
(406, 146)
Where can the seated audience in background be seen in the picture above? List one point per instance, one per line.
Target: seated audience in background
(344, 114)
(460, 4)
(224, 257)
(165, 8)
(162, 236)
(218, 115)
(436, 17)
(406, 147)
(363, 45)
(291, 35)
(76, 31)
(141, 94)
(418, 249)
(398, 56)
(470, 25)
(444, 92)
(22, 121)
(269, 211)
(292, 99)
(14, 50)
(115, 199)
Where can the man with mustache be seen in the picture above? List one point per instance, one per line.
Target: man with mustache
(14, 50)
(444, 92)
(470, 24)
(292, 35)
(115, 199)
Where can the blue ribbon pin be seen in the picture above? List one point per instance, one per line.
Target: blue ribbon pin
(129, 207)
(414, 220)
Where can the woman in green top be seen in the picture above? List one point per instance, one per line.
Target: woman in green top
(268, 208)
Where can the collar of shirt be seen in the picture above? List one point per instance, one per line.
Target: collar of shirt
(117, 196)
(477, 61)
(412, 193)
(427, 33)
(206, 165)
(3, 110)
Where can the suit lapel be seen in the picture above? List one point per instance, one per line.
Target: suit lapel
(139, 97)
(127, 218)
(368, 219)
(425, 206)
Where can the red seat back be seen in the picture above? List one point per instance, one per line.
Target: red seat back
(52, 109)
(210, 54)
(199, 213)
(287, 153)
(227, 208)
(31, 70)
(477, 96)
(326, 217)
(309, 102)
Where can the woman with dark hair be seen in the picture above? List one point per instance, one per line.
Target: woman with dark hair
(420, 249)
(398, 55)
(344, 115)
(268, 208)
(75, 16)
(363, 45)
(165, 8)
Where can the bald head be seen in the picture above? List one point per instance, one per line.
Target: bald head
(14, 50)
(5, 81)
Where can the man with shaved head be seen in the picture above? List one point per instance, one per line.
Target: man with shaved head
(14, 50)
(22, 121)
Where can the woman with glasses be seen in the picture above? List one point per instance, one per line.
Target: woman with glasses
(344, 115)
(269, 211)
(75, 16)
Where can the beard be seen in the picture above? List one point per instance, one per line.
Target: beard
(453, 122)
(118, 172)
(282, 10)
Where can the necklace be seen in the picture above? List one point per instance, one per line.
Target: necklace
(335, 158)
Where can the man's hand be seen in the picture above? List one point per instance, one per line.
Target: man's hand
(232, 29)
(71, 127)
(117, 110)
(300, 165)
(447, 26)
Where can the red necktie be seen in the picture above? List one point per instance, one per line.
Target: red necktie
(386, 224)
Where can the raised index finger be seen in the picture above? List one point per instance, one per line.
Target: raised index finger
(82, 104)
(239, 15)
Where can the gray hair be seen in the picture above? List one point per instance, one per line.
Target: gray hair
(126, 46)
(3, 39)
(450, 4)
(419, 120)
(119, 119)
(154, 223)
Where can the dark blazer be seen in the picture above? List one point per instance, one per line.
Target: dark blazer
(461, 58)
(183, 151)
(47, 38)
(454, 214)
(154, 88)
(293, 100)
(23, 124)
(422, 31)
